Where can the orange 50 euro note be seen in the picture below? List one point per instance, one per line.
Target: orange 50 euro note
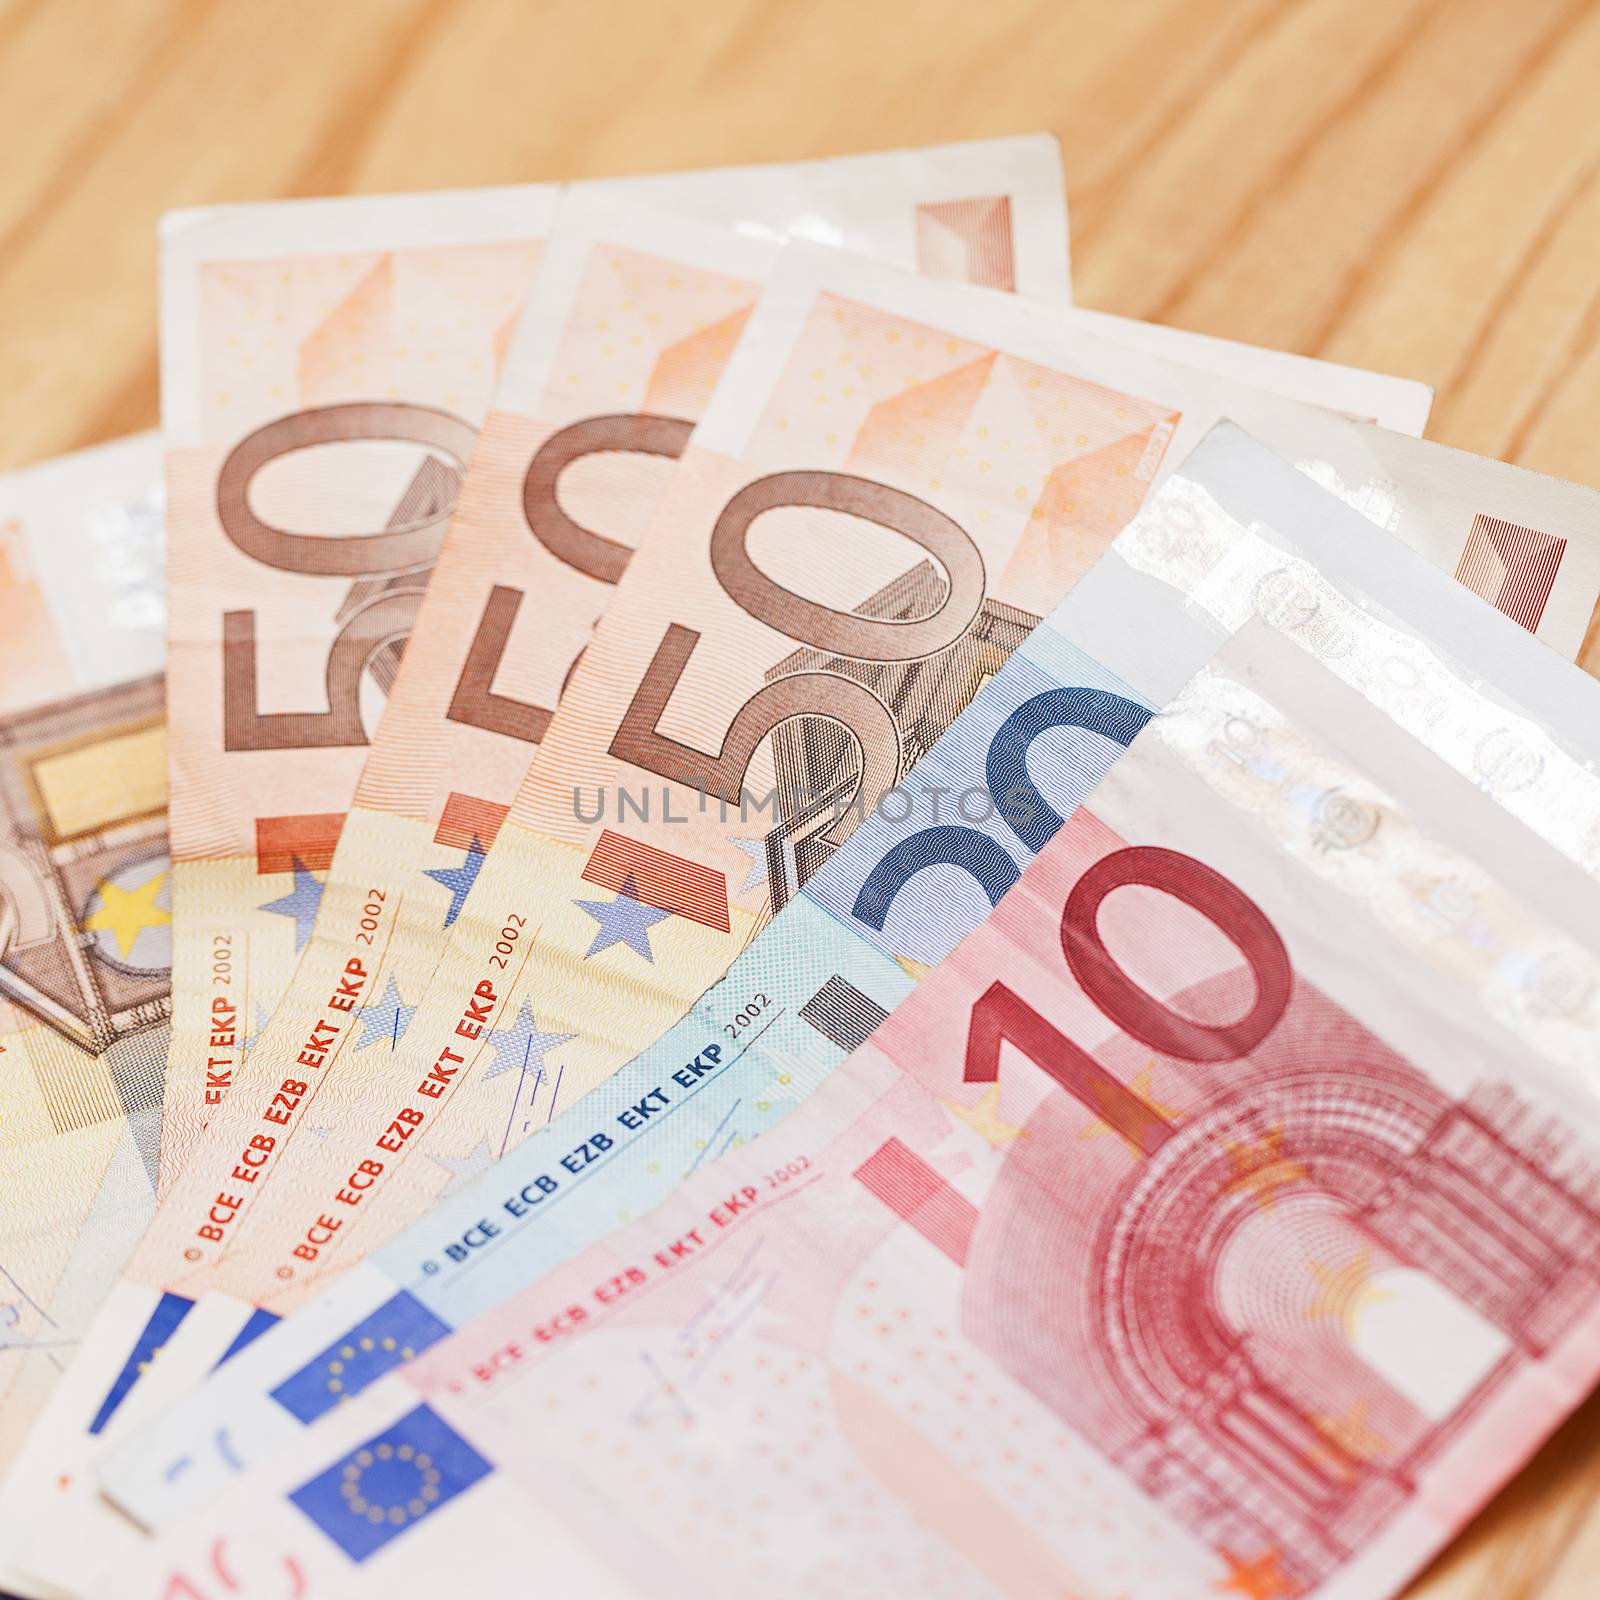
(85, 913)
(1219, 1218)
(326, 366)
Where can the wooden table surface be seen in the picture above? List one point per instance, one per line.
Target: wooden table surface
(1411, 185)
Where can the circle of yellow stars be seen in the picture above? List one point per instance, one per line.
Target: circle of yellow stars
(427, 1490)
(362, 1346)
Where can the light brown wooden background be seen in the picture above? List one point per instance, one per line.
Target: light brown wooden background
(1405, 184)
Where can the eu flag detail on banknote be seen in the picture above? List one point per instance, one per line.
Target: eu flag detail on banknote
(170, 1310)
(392, 1482)
(393, 1334)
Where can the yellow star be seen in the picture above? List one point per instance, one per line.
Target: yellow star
(1349, 1439)
(916, 971)
(126, 913)
(1263, 1168)
(1346, 1291)
(984, 1117)
(1260, 1579)
(1143, 1085)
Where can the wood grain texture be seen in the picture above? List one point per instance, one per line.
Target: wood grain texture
(1411, 185)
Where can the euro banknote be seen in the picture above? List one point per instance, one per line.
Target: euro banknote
(84, 898)
(147, 1321)
(156, 1320)
(1219, 1217)
(1235, 533)
(558, 1000)
(1115, 440)
(326, 366)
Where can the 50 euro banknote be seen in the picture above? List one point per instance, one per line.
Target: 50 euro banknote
(84, 898)
(1236, 533)
(326, 367)
(1220, 1215)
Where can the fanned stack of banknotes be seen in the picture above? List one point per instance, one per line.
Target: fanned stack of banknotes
(719, 902)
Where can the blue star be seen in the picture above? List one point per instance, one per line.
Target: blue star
(522, 1045)
(262, 1017)
(756, 849)
(459, 880)
(302, 903)
(386, 1020)
(624, 920)
(464, 1168)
